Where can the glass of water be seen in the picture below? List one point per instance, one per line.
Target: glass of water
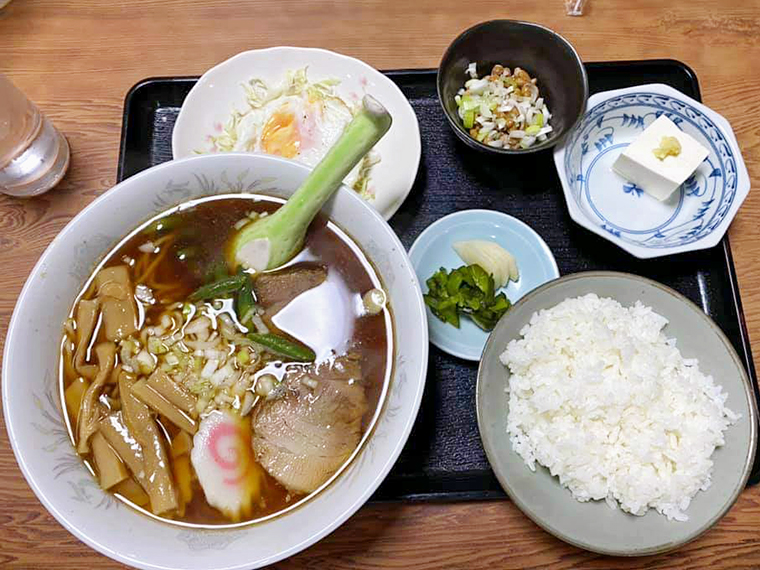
(34, 156)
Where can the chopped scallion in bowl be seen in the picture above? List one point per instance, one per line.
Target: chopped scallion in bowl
(503, 109)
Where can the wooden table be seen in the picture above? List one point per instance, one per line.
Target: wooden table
(78, 58)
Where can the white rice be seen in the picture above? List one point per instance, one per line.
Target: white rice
(604, 400)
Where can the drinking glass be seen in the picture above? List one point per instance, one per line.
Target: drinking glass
(34, 156)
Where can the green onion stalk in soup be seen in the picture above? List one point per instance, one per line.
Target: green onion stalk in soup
(182, 379)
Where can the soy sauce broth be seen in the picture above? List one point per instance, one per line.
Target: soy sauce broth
(192, 256)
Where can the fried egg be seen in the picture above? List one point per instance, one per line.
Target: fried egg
(296, 120)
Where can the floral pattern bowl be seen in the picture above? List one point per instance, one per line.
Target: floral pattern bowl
(696, 216)
(32, 404)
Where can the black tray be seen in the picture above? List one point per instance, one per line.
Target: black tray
(443, 458)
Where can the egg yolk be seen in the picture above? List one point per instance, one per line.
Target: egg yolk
(280, 135)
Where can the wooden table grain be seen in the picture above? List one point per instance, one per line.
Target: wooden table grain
(78, 58)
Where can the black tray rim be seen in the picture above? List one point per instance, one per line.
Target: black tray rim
(746, 345)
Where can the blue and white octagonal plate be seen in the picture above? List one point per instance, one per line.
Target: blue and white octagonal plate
(697, 214)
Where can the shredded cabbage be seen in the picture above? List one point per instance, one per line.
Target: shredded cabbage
(258, 94)
(228, 139)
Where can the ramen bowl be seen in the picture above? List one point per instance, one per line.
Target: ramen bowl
(32, 404)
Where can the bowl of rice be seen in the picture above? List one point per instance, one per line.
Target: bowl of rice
(616, 414)
(511, 87)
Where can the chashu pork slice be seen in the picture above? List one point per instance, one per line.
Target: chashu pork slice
(277, 289)
(303, 437)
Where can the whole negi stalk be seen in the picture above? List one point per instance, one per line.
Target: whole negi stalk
(269, 242)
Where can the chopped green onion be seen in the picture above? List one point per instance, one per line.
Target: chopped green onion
(145, 362)
(469, 103)
(502, 104)
(243, 357)
(156, 346)
(469, 118)
(265, 384)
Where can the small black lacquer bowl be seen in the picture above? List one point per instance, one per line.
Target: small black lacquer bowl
(543, 53)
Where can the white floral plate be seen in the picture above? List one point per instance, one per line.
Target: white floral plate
(695, 217)
(211, 101)
(32, 407)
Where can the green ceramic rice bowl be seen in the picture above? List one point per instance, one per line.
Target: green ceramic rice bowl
(594, 525)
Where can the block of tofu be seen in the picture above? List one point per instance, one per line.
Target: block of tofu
(640, 164)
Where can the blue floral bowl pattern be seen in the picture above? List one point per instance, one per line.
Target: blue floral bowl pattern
(695, 217)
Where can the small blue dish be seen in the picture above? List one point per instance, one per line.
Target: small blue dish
(433, 249)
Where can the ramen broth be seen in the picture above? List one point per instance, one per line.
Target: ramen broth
(167, 260)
